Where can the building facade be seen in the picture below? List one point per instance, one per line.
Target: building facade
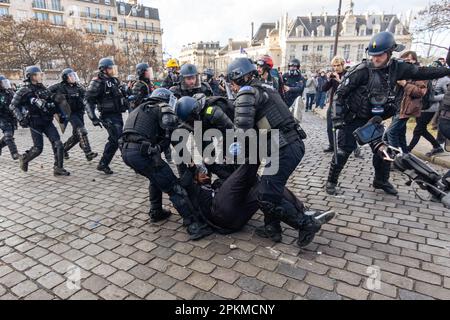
(110, 21)
(202, 54)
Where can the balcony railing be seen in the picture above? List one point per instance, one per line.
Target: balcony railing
(150, 41)
(139, 27)
(97, 16)
(5, 1)
(44, 6)
(96, 31)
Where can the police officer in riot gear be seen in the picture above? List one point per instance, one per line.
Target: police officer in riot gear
(367, 90)
(105, 93)
(143, 87)
(34, 107)
(70, 93)
(147, 133)
(190, 83)
(214, 113)
(294, 82)
(7, 122)
(262, 108)
(208, 77)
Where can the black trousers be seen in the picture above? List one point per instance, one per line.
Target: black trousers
(114, 126)
(421, 130)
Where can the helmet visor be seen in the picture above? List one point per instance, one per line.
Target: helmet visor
(73, 77)
(5, 84)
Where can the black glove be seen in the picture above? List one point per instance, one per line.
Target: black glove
(337, 116)
(24, 122)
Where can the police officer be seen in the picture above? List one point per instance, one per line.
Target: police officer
(7, 122)
(367, 90)
(104, 92)
(190, 83)
(260, 107)
(214, 113)
(147, 133)
(174, 74)
(34, 107)
(208, 76)
(71, 94)
(294, 82)
(143, 87)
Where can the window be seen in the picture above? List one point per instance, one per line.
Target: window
(147, 13)
(320, 47)
(4, 11)
(362, 31)
(111, 29)
(122, 8)
(292, 57)
(88, 11)
(376, 30)
(39, 4)
(97, 12)
(331, 52)
(318, 20)
(293, 47)
(56, 5)
(360, 54)
(305, 47)
(41, 16)
(333, 20)
(90, 26)
(109, 14)
(108, 2)
(346, 51)
(299, 31)
(58, 20)
(100, 28)
(133, 11)
(305, 58)
(320, 32)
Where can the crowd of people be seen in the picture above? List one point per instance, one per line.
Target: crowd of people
(251, 96)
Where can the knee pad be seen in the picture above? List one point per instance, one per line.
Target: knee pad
(58, 144)
(82, 131)
(36, 150)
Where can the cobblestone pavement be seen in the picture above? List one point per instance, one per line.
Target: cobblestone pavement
(49, 226)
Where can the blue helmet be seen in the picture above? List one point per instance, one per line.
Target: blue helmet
(188, 70)
(186, 107)
(105, 63)
(162, 94)
(31, 70)
(239, 68)
(383, 42)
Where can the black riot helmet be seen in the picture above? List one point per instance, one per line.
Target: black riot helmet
(31, 70)
(188, 70)
(383, 42)
(69, 73)
(294, 63)
(239, 68)
(164, 95)
(105, 63)
(141, 68)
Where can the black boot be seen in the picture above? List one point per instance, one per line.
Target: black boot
(29, 155)
(69, 144)
(329, 149)
(85, 145)
(13, 148)
(104, 168)
(58, 169)
(335, 171)
(382, 175)
(157, 215)
(272, 223)
(2, 145)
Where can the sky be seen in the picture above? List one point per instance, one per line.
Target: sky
(186, 21)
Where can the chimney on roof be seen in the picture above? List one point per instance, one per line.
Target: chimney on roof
(310, 17)
(253, 30)
(230, 44)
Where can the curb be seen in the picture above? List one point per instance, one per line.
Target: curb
(443, 161)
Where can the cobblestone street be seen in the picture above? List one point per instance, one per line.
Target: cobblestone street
(50, 226)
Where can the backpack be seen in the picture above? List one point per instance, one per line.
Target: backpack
(426, 100)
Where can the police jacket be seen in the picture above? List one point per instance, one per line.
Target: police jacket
(152, 122)
(179, 92)
(365, 87)
(6, 96)
(142, 88)
(105, 93)
(296, 84)
(34, 99)
(73, 94)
